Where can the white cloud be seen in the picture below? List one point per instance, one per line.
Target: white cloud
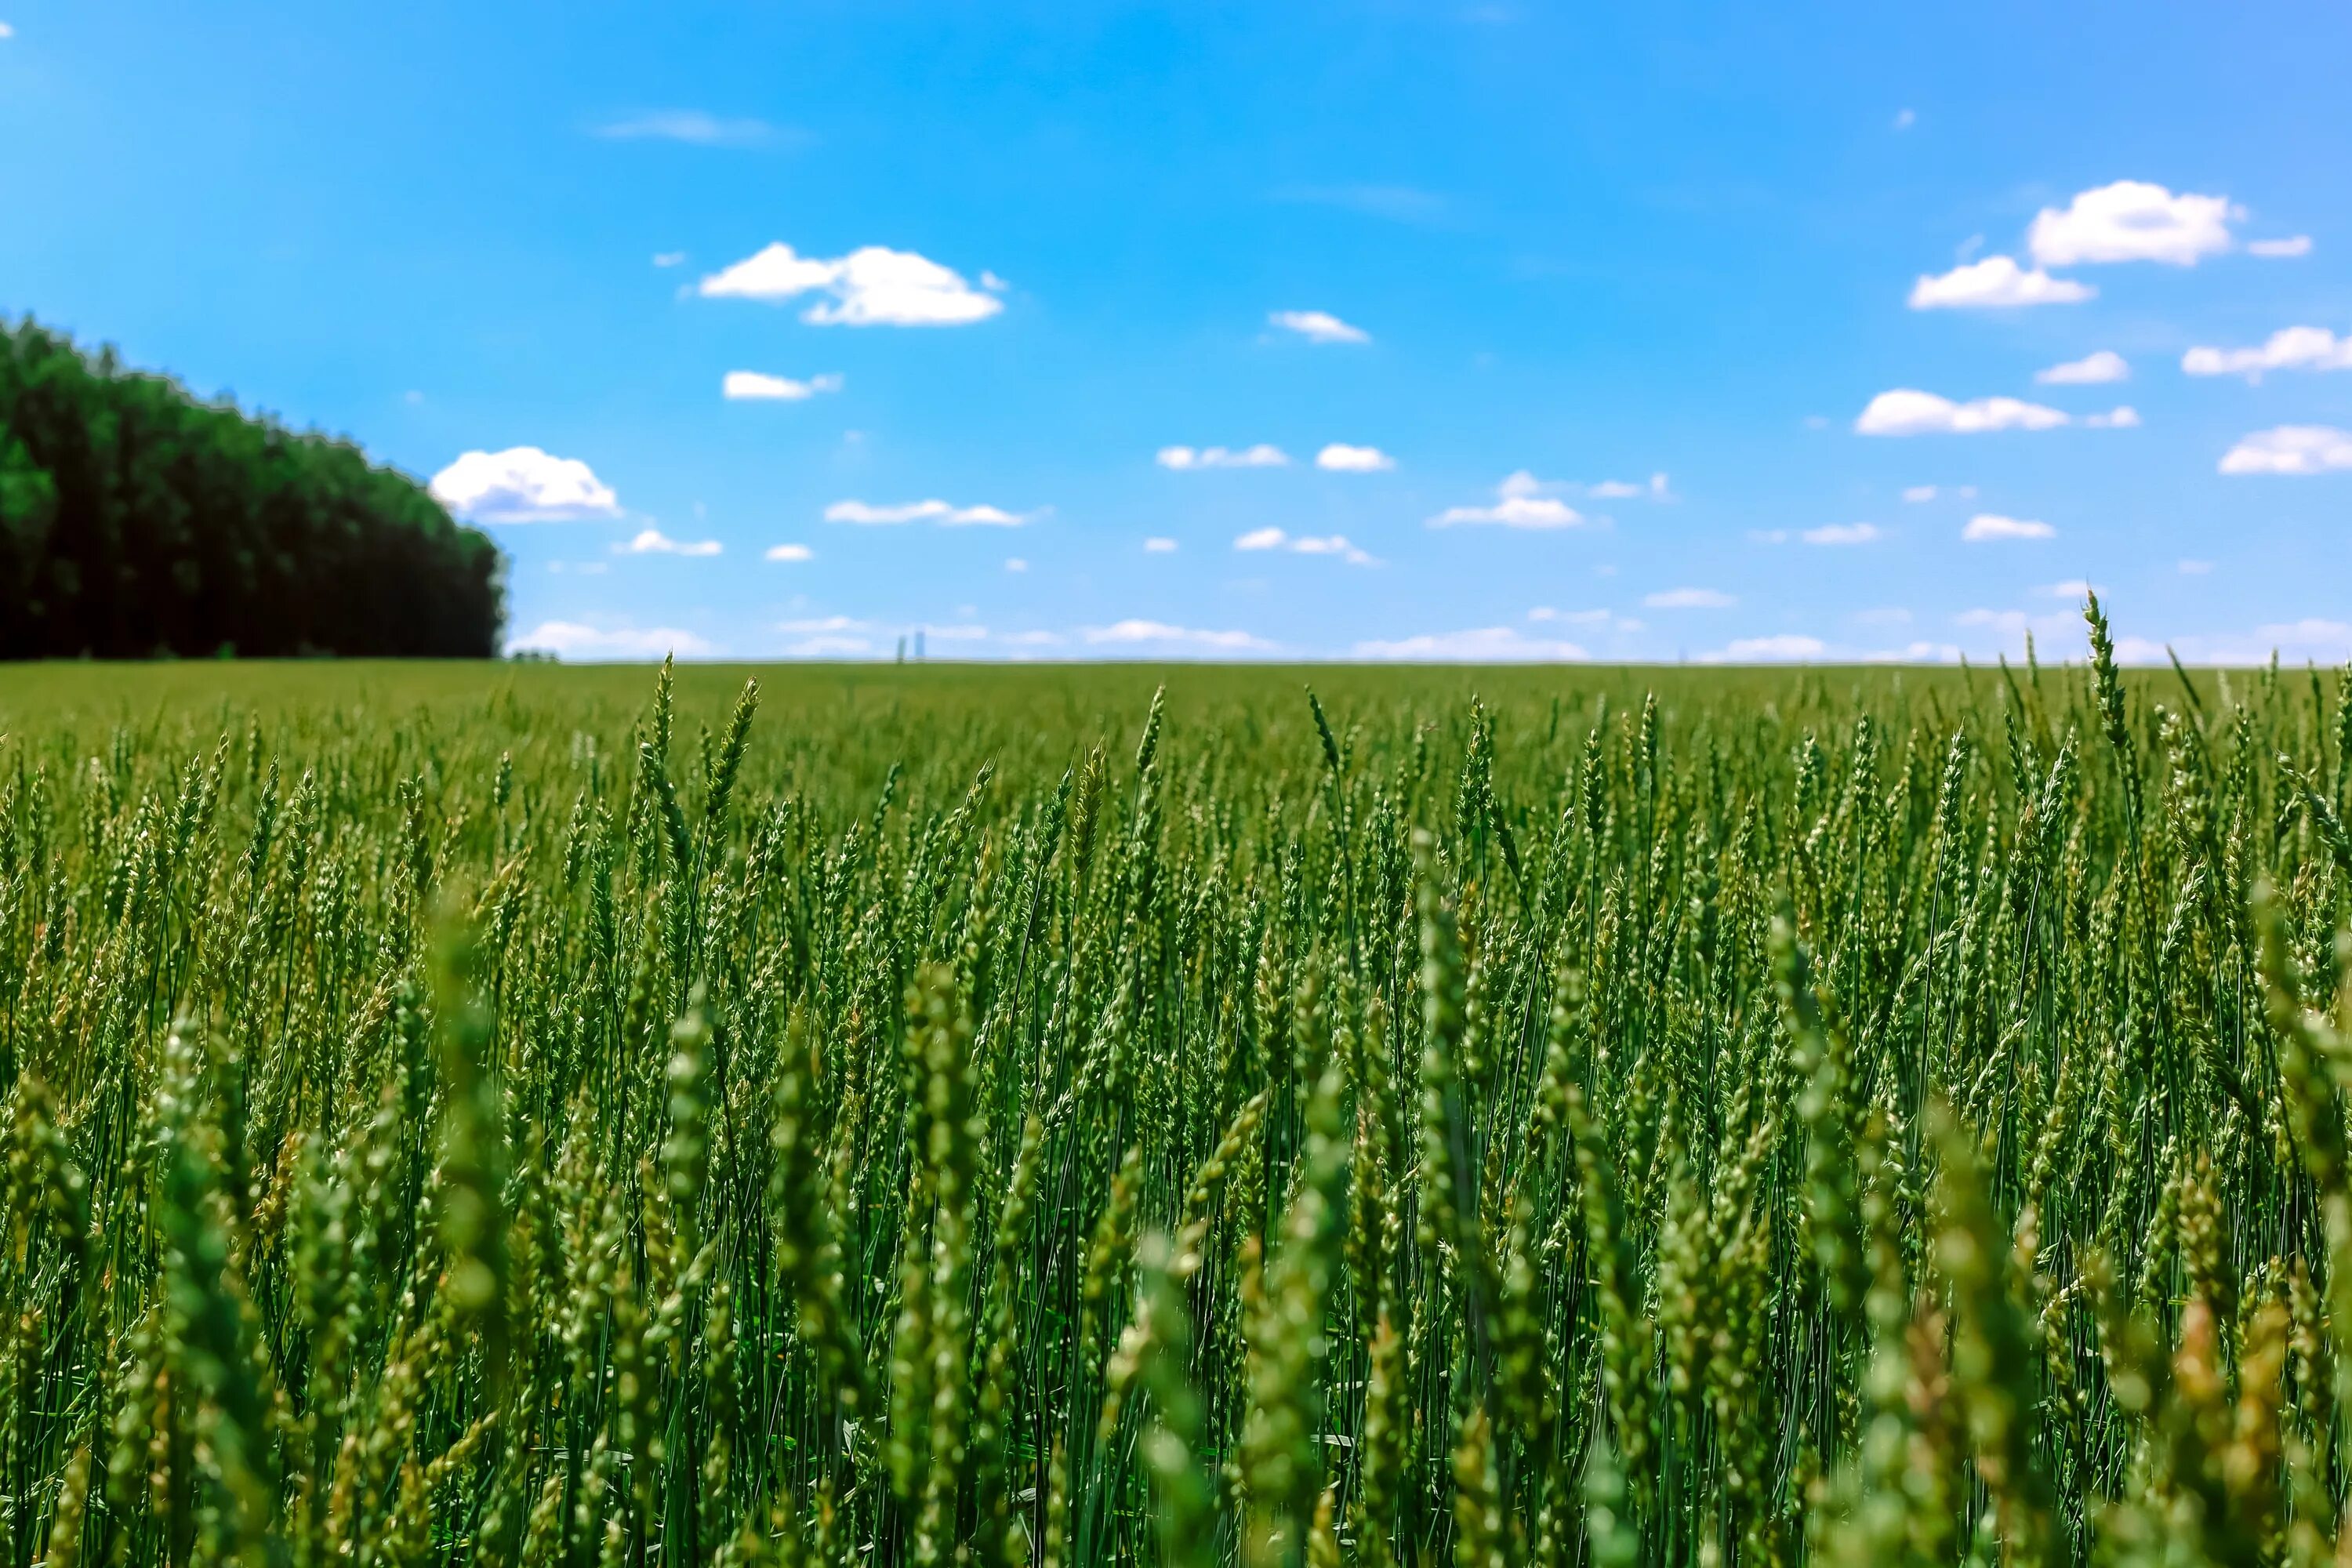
(939, 512)
(2289, 348)
(523, 484)
(1340, 458)
(1014, 564)
(1519, 503)
(1768, 536)
(574, 640)
(2196, 568)
(1690, 599)
(2295, 244)
(1918, 493)
(1996, 283)
(2123, 416)
(1629, 489)
(789, 553)
(1141, 633)
(669, 257)
(1261, 456)
(6, 31)
(1159, 546)
(654, 542)
(2089, 371)
(1908, 412)
(1569, 617)
(872, 286)
(2074, 589)
(1333, 544)
(2290, 449)
(1481, 645)
(1783, 645)
(690, 125)
(1843, 533)
(1906, 119)
(1318, 326)
(2132, 220)
(1988, 526)
(753, 385)
(825, 624)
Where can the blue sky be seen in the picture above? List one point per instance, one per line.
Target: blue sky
(1475, 273)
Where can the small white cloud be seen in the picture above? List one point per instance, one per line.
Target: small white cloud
(872, 286)
(1905, 119)
(939, 512)
(2123, 416)
(1480, 645)
(1655, 489)
(1519, 503)
(1014, 564)
(1569, 617)
(2074, 589)
(825, 624)
(1334, 544)
(669, 259)
(1996, 283)
(1781, 647)
(692, 126)
(654, 542)
(1261, 456)
(1135, 632)
(1988, 526)
(1843, 533)
(1318, 326)
(741, 385)
(523, 484)
(1768, 536)
(2196, 568)
(7, 32)
(2289, 348)
(2132, 220)
(1340, 458)
(1159, 546)
(412, 397)
(2296, 244)
(2290, 449)
(1690, 599)
(573, 639)
(1908, 412)
(789, 553)
(2089, 371)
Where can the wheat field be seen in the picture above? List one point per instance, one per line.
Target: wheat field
(524, 1115)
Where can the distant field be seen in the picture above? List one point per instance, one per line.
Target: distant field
(513, 1113)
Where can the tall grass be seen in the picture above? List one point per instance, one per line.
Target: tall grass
(1861, 1116)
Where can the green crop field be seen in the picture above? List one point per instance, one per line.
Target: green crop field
(514, 1114)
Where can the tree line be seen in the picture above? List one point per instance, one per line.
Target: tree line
(138, 520)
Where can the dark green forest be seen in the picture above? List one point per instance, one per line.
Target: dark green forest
(139, 520)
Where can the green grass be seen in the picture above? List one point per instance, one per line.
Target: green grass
(520, 1114)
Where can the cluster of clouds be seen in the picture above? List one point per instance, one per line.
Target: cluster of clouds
(1338, 457)
(1335, 545)
(872, 286)
(2130, 220)
(2127, 221)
